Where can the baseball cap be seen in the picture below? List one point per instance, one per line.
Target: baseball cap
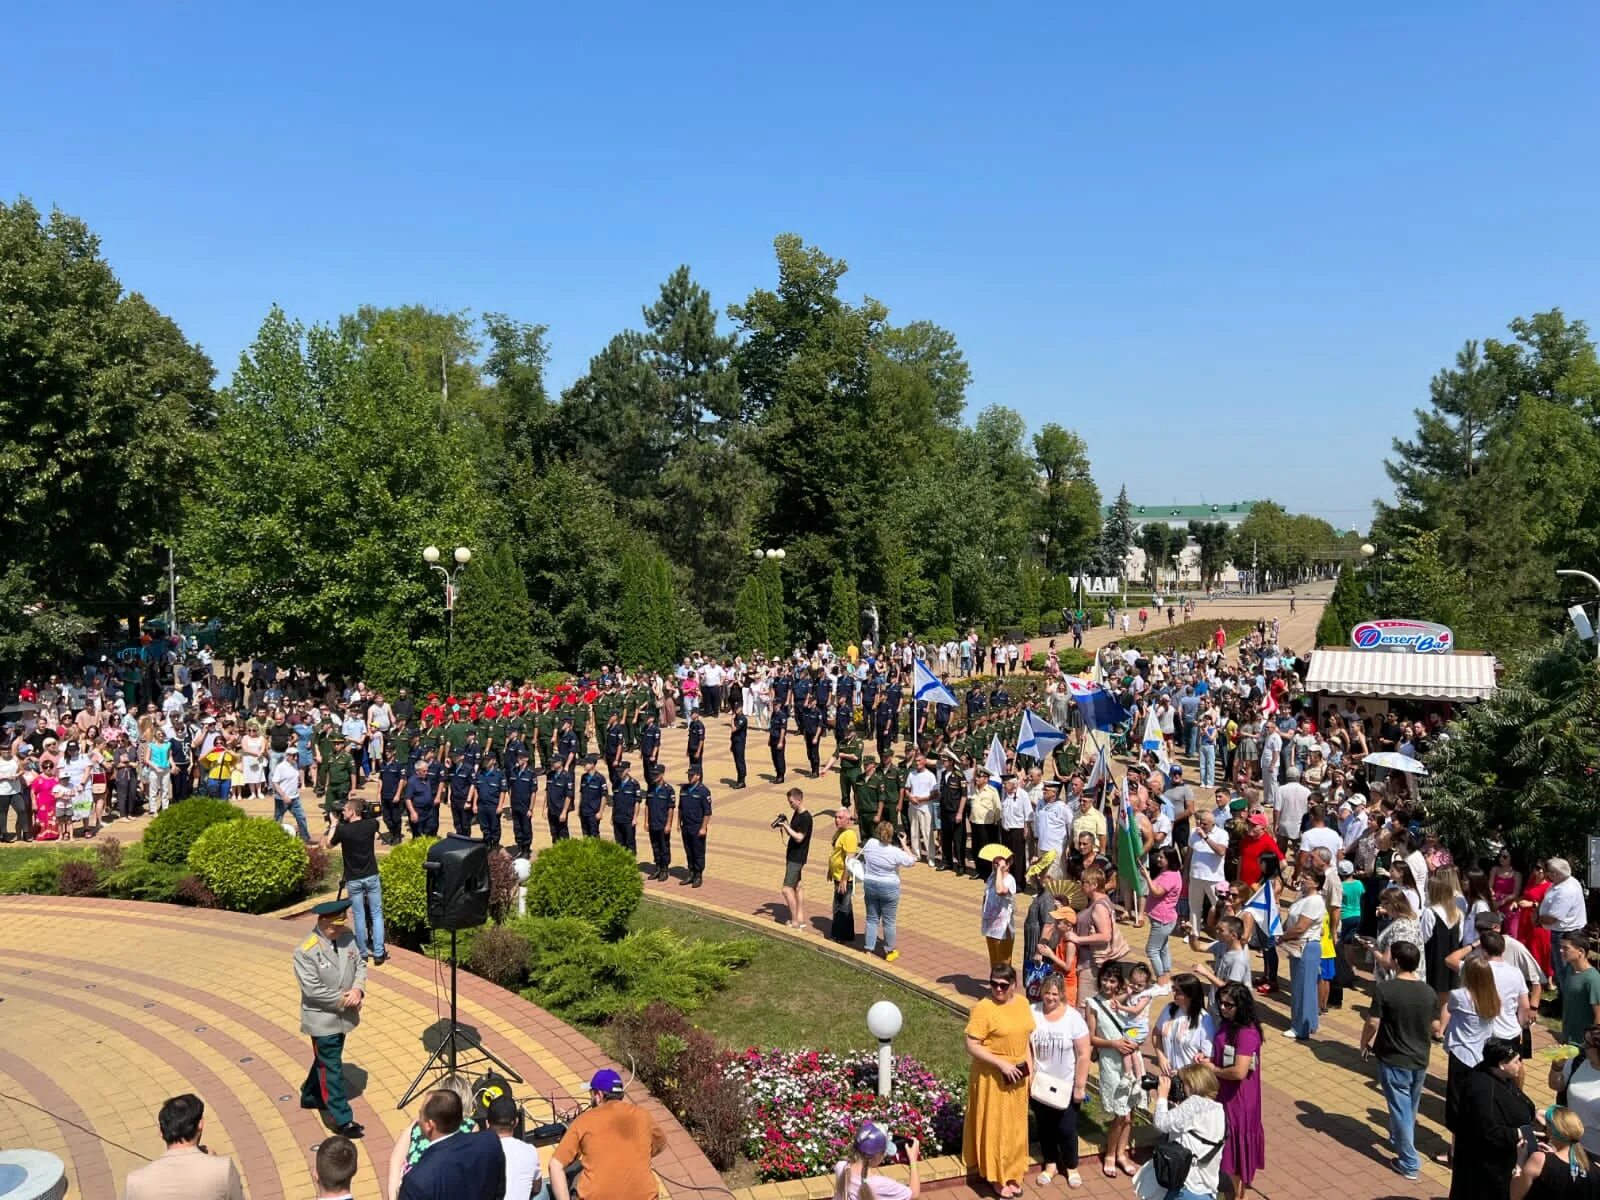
(607, 1082)
(1347, 867)
(870, 1139)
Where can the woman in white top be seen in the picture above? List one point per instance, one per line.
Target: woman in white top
(1471, 1011)
(1199, 1124)
(1185, 1028)
(858, 1177)
(1577, 1085)
(1302, 939)
(999, 905)
(1061, 1051)
(882, 859)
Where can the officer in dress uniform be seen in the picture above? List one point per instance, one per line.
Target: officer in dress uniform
(615, 736)
(847, 761)
(488, 788)
(591, 797)
(558, 803)
(625, 798)
(660, 805)
(741, 731)
(522, 782)
(422, 796)
(697, 741)
(823, 691)
(545, 731)
(974, 704)
(843, 719)
(694, 822)
(883, 724)
(782, 685)
(471, 752)
(777, 739)
(461, 773)
(811, 730)
(650, 742)
(567, 746)
(333, 982)
(391, 773)
(802, 689)
(341, 774)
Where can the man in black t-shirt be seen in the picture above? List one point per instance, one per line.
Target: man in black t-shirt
(278, 735)
(356, 835)
(1399, 1032)
(796, 830)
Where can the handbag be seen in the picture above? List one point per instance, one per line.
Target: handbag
(1171, 1160)
(1052, 1091)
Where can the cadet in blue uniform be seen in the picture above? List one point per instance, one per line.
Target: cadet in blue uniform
(824, 691)
(625, 808)
(650, 742)
(741, 730)
(567, 747)
(522, 781)
(802, 689)
(660, 804)
(869, 695)
(489, 788)
(843, 718)
(422, 797)
(391, 771)
(781, 687)
(694, 822)
(471, 752)
(777, 738)
(883, 720)
(811, 730)
(461, 773)
(591, 797)
(974, 703)
(558, 802)
(615, 736)
(697, 741)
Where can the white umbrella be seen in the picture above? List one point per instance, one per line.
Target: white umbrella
(1396, 762)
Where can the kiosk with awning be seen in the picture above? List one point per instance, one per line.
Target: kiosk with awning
(1407, 660)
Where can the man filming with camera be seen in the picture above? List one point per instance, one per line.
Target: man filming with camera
(357, 831)
(796, 829)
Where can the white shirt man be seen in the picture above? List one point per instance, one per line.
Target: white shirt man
(1293, 801)
(1208, 846)
(522, 1160)
(921, 786)
(1051, 822)
(1562, 908)
(1015, 806)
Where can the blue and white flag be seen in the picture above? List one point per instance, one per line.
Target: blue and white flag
(1263, 906)
(1101, 771)
(995, 760)
(926, 687)
(1036, 737)
(1098, 707)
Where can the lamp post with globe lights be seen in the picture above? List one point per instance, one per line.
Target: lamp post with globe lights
(884, 1022)
(462, 555)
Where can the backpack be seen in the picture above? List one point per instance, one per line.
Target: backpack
(1171, 1160)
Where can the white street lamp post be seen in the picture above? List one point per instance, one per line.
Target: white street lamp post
(462, 555)
(1595, 584)
(883, 1022)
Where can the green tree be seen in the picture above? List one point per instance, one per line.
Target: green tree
(772, 591)
(493, 639)
(304, 539)
(101, 410)
(637, 642)
(1030, 596)
(1212, 539)
(844, 611)
(1068, 501)
(1117, 536)
(394, 657)
(668, 620)
(571, 562)
(750, 616)
(1159, 543)
(947, 603)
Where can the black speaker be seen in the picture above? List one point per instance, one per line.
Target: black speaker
(457, 871)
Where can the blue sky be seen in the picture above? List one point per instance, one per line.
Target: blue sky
(1229, 245)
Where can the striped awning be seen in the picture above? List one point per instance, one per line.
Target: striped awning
(1416, 676)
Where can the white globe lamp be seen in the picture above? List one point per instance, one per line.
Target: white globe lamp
(884, 1022)
(430, 554)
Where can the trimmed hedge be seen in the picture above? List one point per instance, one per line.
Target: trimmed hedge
(595, 881)
(174, 831)
(251, 865)
(405, 886)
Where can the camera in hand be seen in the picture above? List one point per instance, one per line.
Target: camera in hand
(779, 821)
(1149, 1082)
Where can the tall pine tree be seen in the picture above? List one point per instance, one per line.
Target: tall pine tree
(637, 643)
(750, 616)
(772, 589)
(844, 617)
(1116, 536)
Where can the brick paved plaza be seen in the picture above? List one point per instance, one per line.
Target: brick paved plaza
(112, 1006)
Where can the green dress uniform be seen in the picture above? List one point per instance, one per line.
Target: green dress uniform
(324, 742)
(341, 772)
(849, 768)
(868, 791)
(326, 970)
(546, 734)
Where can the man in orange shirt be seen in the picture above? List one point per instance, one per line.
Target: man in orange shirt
(612, 1144)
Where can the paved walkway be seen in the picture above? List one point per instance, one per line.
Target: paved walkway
(110, 1007)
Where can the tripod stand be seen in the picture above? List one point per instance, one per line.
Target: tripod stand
(457, 1048)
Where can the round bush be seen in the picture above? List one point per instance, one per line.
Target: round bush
(173, 833)
(150, 881)
(501, 955)
(587, 878)
(251, 865)
(405, 886)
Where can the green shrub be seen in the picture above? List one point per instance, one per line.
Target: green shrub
(251, 865)
(581, 977)
(108, 854)
(41, 877)
(1039, 661)
(1075, 662)
(153, 882)
(501, 955)
(405, 887)
(174, 832)
(75, 877)
(548, 680)
(595, 881)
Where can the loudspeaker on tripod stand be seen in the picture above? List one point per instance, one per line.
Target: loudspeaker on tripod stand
(457, 871)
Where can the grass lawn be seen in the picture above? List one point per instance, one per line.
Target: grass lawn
(20, 854)
(794, 995)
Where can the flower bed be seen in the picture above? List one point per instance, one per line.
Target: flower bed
(805, 1106)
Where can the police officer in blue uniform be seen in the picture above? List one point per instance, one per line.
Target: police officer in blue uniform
(694, 822)
(824, 691)
(650, 743)
(802, 689)
(660, 804)
(741, 731)
(843, 718)
(810, 721)
(777, 738)
(558, 802)
(391, 773)
(974, 703)
(488, 788)
(422, 797)
(615, 736)
(782, 685)
(461, 773)
(567, 746)
(625, 799)
(522, 783)
(883, 721)
(697, 741)
(869, 695)
(591, 797)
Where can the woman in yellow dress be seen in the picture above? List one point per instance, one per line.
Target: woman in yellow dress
(995, 1140)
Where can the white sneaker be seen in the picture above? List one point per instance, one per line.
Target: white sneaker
(1290, 1034)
